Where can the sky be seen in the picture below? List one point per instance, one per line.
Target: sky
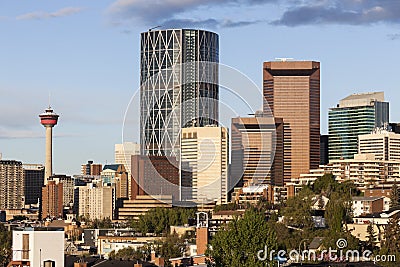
(84, 56)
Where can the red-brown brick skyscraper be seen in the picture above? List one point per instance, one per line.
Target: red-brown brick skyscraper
(292, 91)
(52, 200)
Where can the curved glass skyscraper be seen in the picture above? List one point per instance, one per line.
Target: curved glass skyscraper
(178, 86)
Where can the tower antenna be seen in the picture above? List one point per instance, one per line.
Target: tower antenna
(49, 99)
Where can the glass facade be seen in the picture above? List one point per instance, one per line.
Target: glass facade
(33, 183)
(179, 88)
(347, 123)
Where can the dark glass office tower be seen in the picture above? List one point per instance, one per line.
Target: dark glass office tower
(355, 115)
(179, 86)
(33, 182)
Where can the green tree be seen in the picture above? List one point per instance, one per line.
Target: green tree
(331, 238)
(394, 196)
(5, 245)
(391, 243)
(371, 237)
(288, 238)
(392, 236)
(229, 206)
(159, 220)
(297, 212)
(336, 212)
(237, 244)
(172, 247)
(324, 184)
(100, 224)
(129, 253)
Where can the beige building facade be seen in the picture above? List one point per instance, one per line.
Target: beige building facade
(123, 155)
(96, 201)
(11, 185)
(204, 164)
(384, 145)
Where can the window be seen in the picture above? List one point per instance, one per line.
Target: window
(25, 246)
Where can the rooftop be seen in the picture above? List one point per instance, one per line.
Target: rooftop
(316, 242)
(366, 198)
(40, 229)
(362, 99)
(113, 167)
(95, 261)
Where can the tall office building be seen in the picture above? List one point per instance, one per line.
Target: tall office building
(124, 151)
(292, 92)
(91, 168)
(33, 182)
(117, 176)
(123, 155)
(176, 89)
(11, 185)
(204, 164)
(52, 200)
(257, 151)
(355, 115)
(155, 175)
(96, 200)
(383, 144)
(68, 185)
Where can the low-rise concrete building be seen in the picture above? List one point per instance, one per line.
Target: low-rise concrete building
(366, 205)
(38, 245)
(379, 222)
(143, 203)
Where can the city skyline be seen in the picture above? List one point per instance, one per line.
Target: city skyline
(90, 65)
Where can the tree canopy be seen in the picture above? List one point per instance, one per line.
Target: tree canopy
(5, 245)
(238, 243)
(394, 196)
(159, 220)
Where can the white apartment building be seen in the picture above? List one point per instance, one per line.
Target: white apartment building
(364, 170)
(39, 245)
(204, 164)
(366, 205)
(382, 144)
(96, 201)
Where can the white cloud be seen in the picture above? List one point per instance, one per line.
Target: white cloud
(67, 11)
(351, 12)
(168, 13)
(17, 134)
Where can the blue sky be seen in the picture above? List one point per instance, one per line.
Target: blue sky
(86, 54)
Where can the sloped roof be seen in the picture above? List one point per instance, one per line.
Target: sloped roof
(316, 242)
(113, 167)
